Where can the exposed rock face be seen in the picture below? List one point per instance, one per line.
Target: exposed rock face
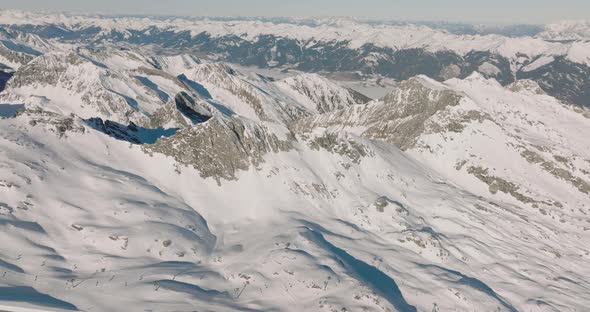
(333, 143)
(176, 64)
(187, 106)
(70, 75)
(425, 118)
(97, 85)
(497, 184)
(166, 124)
(381, 203)
(14, 58)
(556, 170)
(168, 116)
(19, 48)
(225, 77)
(526, 85)
(118, 131)
(399, 118)
(219, 148)
(319, 94)
(45, 70)
(222, 82)
(409, 108)
(183, 112)
(57, 123)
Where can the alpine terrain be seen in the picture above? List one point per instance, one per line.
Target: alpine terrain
(178, 164)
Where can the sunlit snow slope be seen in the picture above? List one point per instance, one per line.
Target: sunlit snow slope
(133, 182)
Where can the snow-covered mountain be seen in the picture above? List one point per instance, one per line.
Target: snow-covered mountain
(319, 95)
(567, 30)
(392, 50)
(149, 177)
(354, 33)
(476, 129)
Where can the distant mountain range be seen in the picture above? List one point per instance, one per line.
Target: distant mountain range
(555, 58)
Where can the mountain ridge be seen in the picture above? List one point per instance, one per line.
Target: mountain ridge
(134, 179)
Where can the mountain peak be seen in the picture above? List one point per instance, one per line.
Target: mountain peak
(318, 94)
(526, 85)
(234, 181)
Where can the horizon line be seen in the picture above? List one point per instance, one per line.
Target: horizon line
(359, 19)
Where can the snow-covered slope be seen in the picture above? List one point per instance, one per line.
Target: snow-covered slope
(318, 94)
(355, 33)
(567, 30)
(132, 182)
(18, 48)
(119, 85)
(338, 222)
(393, 50)
(522, 144)
(176, 64)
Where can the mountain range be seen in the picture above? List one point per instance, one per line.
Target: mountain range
(173, 164)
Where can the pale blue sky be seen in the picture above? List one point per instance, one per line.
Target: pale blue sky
(485, 11)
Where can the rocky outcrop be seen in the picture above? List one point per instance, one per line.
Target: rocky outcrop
(497, 184)
(70, 75)
(319, 94)
(399, 118)
(183, 112)
(56, 123)
(556, 170)
(14, 55)
(115, 130)
(343, 146)
(219, 148)
(526, 85)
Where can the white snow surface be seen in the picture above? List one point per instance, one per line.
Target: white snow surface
(567, 30)
(355, 33)
(90, 222)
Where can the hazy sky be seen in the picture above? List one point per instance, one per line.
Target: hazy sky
(485, 11)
